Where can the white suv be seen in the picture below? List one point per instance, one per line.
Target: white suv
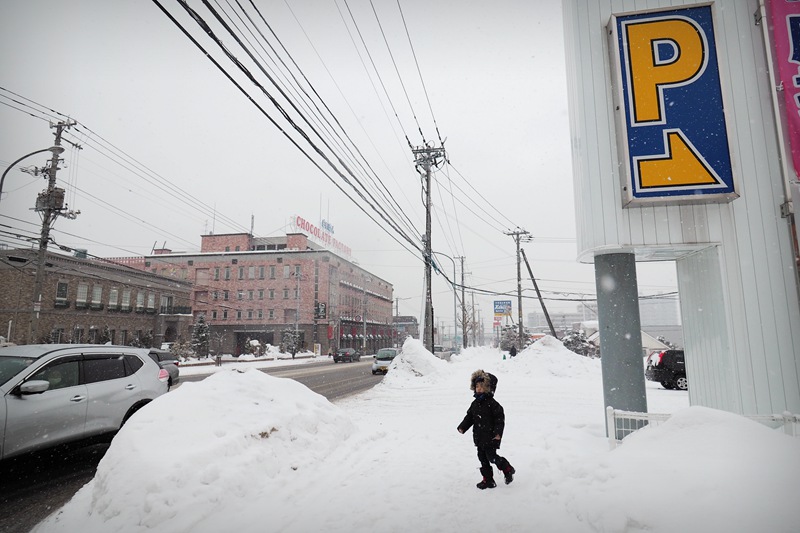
(54, 394)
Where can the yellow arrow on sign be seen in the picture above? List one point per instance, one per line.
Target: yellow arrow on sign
(682, 165)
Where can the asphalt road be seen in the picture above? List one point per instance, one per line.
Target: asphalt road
(31, 488)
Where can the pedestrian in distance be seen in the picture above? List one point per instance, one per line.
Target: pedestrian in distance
(513, 350)
(487, 419)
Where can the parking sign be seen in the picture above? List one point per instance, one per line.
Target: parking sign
(671, 126)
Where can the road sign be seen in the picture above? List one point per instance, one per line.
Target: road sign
(671, 125)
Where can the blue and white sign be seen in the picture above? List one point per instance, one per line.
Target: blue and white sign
(671, 121)
(502, 307)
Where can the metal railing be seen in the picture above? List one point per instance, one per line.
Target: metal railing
(621, 423)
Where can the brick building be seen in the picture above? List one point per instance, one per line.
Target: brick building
(90, 301)
(267, 288)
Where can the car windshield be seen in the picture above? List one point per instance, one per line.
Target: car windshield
(386, 354)
(11, 366)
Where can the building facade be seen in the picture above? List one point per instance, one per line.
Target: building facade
(89, 301)
(275, 289)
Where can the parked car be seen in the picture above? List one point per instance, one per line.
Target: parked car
(441, 352)
(382, 360)
(169, 362)
(54, 394)
(347, 355)
(668, 367)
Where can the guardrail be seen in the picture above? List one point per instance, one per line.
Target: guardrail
(621, 423)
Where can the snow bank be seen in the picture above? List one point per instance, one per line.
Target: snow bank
(702, 470)
(414, 364)
(257, 433)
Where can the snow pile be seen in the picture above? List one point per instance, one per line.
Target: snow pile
(245, 452)
(414, 362)
(703, 469)
(235, 435)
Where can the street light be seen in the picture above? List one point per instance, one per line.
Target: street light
(453, 283)
(56, 150)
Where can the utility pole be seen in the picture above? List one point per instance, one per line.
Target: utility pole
(425, 158)
(463, 306)
(50, 205)
(539, 295)
(364, 339)
(474, 337)
(518, 235)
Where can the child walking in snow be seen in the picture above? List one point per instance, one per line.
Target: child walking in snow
(485, 416)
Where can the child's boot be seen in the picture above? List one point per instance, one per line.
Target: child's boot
(509, 472)
(488, 479)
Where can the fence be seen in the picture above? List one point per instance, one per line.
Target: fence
(620, 424)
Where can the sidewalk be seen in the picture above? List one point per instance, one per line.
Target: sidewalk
(209, 365)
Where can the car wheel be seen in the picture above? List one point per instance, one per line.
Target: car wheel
(682, 383)
(667, 385)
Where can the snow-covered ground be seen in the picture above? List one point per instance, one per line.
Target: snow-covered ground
(244, 451)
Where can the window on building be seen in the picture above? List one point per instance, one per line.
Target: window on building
(126, 299)
(166, 304)
(260, 294)
(260, 314)
(215, 295)
(271, 314)
(227, 248)
(61, 290)
(297, 270)
(97, 294)
(241, 272)
(240, 294)
(238, 314)
(113, 298)
(57, 335)
(224, 314)
(272, 272)
(214, 314)
(272, 294)
(285, 294)
(261, 270)
(77, 336)
(225, 295)
(251, 272)
(216, 274)
(250, 295)
(250, 314)
(83, 293)
(227, 273)
(296, 294)
(286, 271)
(151, 301)
(123, 337)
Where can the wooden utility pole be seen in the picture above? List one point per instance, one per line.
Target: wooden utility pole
(426, 158)
(50, 204)
(519, 234)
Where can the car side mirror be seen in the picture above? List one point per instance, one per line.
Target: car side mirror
(35, 386)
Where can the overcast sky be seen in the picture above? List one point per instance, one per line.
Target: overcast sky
(209, 160)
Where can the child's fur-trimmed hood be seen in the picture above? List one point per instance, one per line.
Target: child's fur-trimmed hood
(480, 376)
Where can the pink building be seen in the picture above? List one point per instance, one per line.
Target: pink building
(267, 288)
